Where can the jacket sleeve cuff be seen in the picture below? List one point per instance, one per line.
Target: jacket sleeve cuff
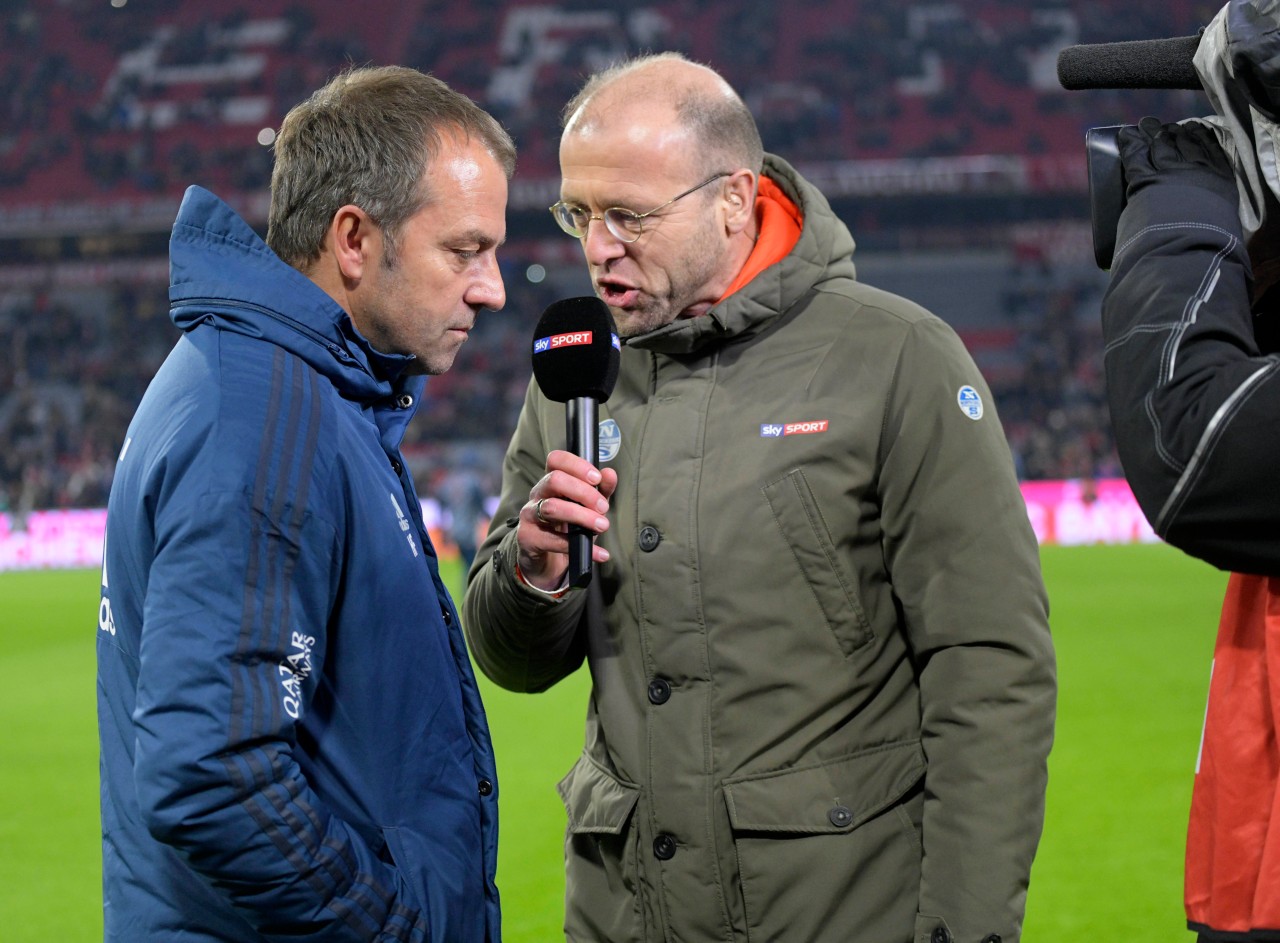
(515, 586)
(556, 593)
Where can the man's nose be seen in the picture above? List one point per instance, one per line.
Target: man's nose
(599, 244)
(488, 290)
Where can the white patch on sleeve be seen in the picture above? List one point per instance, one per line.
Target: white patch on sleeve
(970, 402)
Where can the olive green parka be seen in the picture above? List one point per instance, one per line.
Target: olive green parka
(823, 684)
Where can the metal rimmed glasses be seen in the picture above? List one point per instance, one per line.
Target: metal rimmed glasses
(623, 224)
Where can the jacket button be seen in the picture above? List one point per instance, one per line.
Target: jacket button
(840, 817)
(649, 538)
(404, 400)
(446, 615)
(664, 847)
(940, 935)
(396, 466)
(485, 787)
(992, 938)
(659, 691)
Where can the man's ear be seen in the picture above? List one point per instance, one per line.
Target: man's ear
(739, 195)
(354, 240)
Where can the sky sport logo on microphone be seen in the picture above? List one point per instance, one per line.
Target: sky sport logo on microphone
(556, 341)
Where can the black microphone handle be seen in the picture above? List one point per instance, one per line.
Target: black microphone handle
(584, 442)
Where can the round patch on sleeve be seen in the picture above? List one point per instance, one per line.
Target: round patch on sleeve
(970, 402)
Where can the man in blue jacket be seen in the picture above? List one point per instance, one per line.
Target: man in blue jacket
(293, 745)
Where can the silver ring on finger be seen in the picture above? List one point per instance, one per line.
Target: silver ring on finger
(537, 511)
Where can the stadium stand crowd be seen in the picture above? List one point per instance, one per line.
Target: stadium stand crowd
(122, 106)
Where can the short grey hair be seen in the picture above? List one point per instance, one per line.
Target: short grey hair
(366, 138)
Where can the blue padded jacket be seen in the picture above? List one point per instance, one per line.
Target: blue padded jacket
(293, 746)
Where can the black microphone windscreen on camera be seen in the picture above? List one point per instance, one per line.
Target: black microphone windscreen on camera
(1143, 63)
(576, 350)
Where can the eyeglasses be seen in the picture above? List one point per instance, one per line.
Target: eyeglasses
(624, 225)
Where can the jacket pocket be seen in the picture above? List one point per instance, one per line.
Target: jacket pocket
(831, 852)
(795, 509)
(601, 856)
(394, 853)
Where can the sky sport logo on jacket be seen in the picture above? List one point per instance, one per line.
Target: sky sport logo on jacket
(776, 430)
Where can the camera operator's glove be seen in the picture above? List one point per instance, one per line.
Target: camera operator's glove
(1186, 153)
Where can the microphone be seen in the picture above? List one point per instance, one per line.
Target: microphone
(576, 354)
(1143, 63)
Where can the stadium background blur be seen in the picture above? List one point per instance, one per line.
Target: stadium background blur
(937, 128)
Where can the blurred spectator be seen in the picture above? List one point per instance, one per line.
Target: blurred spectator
(463, 495)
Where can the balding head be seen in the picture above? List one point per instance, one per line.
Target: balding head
(692, 100)
(670, 143)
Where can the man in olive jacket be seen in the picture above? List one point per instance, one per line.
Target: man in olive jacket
(823, 682)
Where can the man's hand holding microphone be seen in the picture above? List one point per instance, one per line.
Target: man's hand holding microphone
(576, 352)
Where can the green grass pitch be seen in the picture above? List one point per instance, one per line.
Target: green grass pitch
(1134, 629)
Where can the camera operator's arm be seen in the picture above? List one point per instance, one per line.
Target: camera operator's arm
(1195, 406)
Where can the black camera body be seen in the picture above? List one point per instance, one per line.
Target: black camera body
(1106, 190)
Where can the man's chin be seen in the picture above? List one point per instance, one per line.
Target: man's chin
(433, 363)
(633, 322)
